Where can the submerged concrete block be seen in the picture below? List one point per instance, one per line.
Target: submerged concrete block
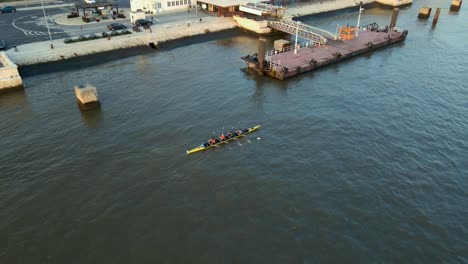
(455, 6)
(9, 75)
(424, 12)
(87, 97)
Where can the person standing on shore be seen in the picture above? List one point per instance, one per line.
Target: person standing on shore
(188, 8)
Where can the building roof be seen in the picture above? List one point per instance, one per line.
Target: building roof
(224, 3)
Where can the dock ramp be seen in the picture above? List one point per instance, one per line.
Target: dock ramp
(313, 34)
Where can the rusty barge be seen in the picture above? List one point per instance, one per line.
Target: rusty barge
(323, 48)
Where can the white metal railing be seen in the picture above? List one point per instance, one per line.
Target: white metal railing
(270, 53)
(290, 26)
(294, 28)
(273, 65)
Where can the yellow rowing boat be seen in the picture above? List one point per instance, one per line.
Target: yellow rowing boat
(205, 146)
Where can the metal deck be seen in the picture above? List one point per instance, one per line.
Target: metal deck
(284, 64)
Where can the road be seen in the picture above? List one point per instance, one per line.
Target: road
(28, 25)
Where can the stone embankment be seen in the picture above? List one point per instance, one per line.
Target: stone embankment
(9, 76)
(41, 52)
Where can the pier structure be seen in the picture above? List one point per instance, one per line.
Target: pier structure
(308, 56)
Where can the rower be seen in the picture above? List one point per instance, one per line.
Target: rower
(230, 134)
(239, 132)
(212, 141)
(222, 137)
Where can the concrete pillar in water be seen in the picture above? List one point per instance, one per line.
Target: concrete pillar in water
(394, 18)
(424, 12)
(87, 97)
(261, 54)
(436, 17)
(455, 6)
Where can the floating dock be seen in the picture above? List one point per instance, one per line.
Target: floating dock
(305, 57)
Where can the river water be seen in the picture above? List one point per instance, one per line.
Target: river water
(365, 161)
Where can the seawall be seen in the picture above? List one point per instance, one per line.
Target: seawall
(41, 52)
(9, 76)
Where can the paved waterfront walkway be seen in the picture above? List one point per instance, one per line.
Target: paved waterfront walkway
(41, 52)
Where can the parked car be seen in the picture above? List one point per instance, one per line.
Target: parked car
(116, 26)
(8, 9)
(2, 44)
(143, 22)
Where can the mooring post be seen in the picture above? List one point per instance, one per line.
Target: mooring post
(424, 12)
(394, 18)
(261, 54)
(455, 6)
(436, 17)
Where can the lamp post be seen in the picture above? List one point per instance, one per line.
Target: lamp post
(196, 10)
(359, 18)
(47, 24)
(297, 32)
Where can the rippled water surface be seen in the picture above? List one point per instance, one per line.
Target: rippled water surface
(365, 161)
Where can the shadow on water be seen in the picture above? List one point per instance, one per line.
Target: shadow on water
(14, 98)
(186, 41)
(105, 57)
(264, 81)
(82, 61)
(92, 118)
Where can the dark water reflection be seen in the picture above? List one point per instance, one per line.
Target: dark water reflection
(365, 160)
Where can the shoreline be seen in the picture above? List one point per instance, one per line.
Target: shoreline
(159, 37)
(42, 52)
